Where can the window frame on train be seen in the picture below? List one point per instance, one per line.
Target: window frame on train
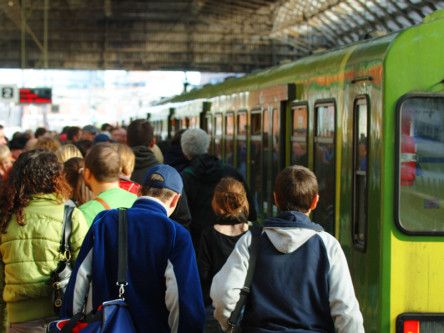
(398, 159)
(358, 205)
(317, 104)
(293, 138)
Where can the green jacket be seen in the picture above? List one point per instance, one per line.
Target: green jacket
(30, 253)
(114, 197)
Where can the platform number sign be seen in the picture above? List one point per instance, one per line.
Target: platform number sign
(8, 93)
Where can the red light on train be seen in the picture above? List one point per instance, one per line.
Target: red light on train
(411, 326)
(35, 96)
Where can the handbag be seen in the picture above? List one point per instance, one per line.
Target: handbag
(234, 322)
(60, 276)
(112, 316)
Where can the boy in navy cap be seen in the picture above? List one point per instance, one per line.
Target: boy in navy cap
(162, 271)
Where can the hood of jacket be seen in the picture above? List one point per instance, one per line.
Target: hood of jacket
(207, 167)
(290, 230)
(144, 157)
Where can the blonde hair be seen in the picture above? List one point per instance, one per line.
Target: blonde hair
(47, 143)
(127, 159)
(4, 152)
(230, 199)
(68, 151)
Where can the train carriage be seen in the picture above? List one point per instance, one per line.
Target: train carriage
(368, 119)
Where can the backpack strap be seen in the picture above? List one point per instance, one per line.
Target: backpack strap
(103, 203)
(66, 231)
(122, 249)
(237, 314)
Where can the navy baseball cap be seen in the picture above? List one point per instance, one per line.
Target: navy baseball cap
(163, 176)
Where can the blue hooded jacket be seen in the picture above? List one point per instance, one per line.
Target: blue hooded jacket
(163, 292)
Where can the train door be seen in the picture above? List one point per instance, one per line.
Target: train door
(299, 134)
(218, 131)
(229, 138)
(241, 143)
(324, 161)
(256, 160)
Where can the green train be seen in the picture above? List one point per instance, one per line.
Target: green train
(368, 119)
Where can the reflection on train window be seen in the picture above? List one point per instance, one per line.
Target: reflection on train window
(421, 164)
(299, 136)
(209, 125)
(209, 129)
(241, 144)
(242, 123)
(229, 138)
(325, 120)
(267, 183)
(256, 176)
(218, 137)
(324, 165)
(360, 167)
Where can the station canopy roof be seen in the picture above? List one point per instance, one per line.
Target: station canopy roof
(203, 35)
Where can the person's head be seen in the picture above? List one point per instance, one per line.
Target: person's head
(140, 133)
(83, 146)
(47, 143)
(106, 127)
(102, 164)
(164, 183)
(41, 131)
(127, 159)
(5, 160)
(3, 140)
(230, 201)
(72, 170)
(194, 142)
(66, 152)
(118, 134)
(296, 188)
(102, 137)
(18, 144)
(34, 172)
(73, 134)
(89, 132)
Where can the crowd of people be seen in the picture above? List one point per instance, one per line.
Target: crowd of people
(189, 224)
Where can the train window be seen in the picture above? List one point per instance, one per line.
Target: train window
(241, 142)
(229, 138)
(256, 167)
(420, 167)
(218, 135)
(299, 135)
(360, 170)
(209, 129)
(324, 164)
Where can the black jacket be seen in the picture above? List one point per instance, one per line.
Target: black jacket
(144, 160)
(199, 180)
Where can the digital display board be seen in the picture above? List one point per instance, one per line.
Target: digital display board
(35, 95)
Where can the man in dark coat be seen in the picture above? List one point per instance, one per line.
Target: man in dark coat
(200, 179)
(140, 137)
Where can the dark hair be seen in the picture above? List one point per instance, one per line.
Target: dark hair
(19, 141)
(83, 146)
(230, 199)
(72, 170)
(139, 133)
(295, 188)
(176, 138)
(72, 132)
(34, 172)
(106, 127)
(103, 161)
(40, 132)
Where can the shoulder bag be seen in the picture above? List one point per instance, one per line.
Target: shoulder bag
(112, 316)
